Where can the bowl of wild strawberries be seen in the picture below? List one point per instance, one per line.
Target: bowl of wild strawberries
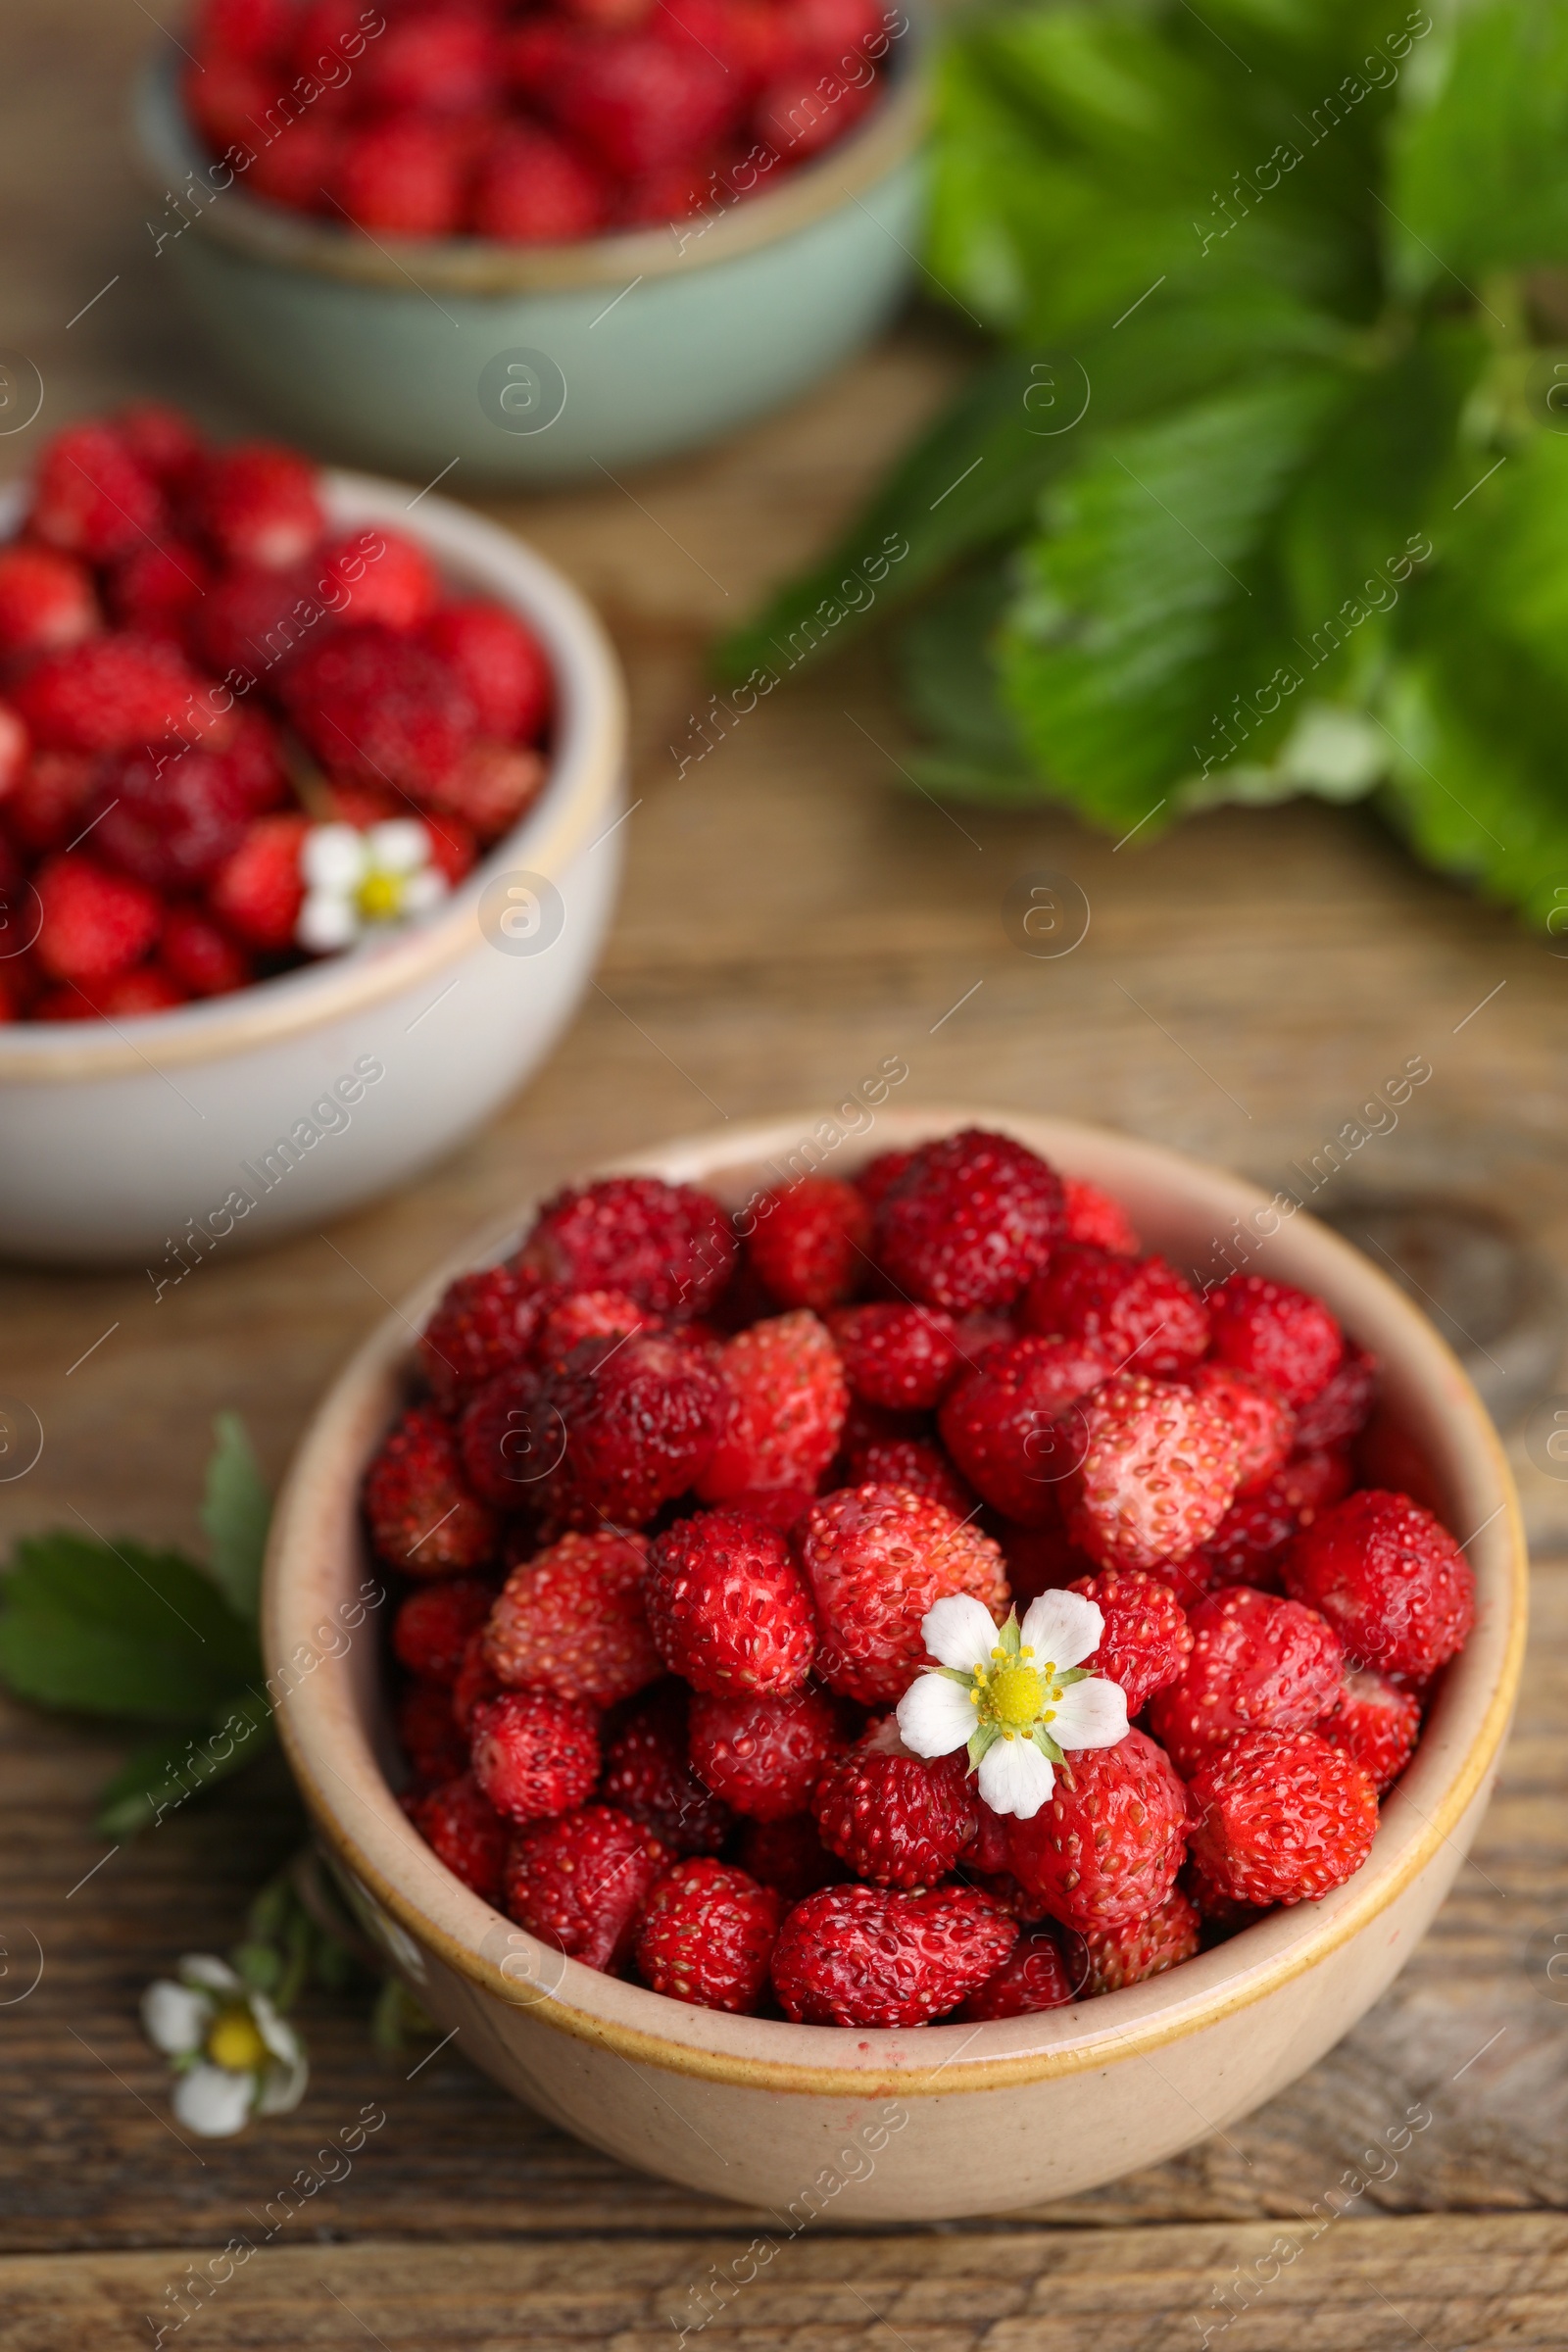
(307, 806)
(535, 235)
(913, 1657)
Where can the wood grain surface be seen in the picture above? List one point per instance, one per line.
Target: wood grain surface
(793, 914)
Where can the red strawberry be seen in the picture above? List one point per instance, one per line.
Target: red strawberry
(1263, 1424)
(892, 1817)
(917, 1466)
(638, 102)
(865, 1956)
(1147, 1638)
(1033, 1977)
(1247, 1544)
(1105, 1850)
(129, 994)
(1109, 1958)
(510, 1438)
(94, 924)
(1095, 1219)
(538, 54)
(1282, 1818)
(762, 1753)
(226, 99)
(256, 31)
(170, 822)
(46, 601)
(588, 1315)
(535, 1753)
(157, 587)
(1342, 1405)
(1391, 1581)
(421, 1516)
(114, 693)
(375, 706)
(879, 1175)
(441, 61)
(648, 1776)
(460, 1824)
(786, 1402)
(501, 665)
(405, 174)
(45, 805)
(671, 1245)
(1137, 1311)
(640, 1417)
(580, 1882)
(968, 1220)
(483, 1323)
(259, 890)
(249, 622)
(728, 1606)
(301, 170)
(1279, 1335)
(428, 1732)
(902, 1358)
(808, 1242)
(163, 441)
(1014, 1425)
(573, 1620)
(384, 575)
(201, 957)
(1258, 1663)
(1376, 1722)
(878, 1559)
(431, 1629)
(1158, 1475)
(475, 1683)
(257, 504)
(90, 495)
(492, 786)
(708, 1937)
(533, 189)
(1042, 1559)
(789, 1855)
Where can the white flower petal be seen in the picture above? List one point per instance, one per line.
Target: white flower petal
(277, 2033)
(935, 1715)
(326, 922)
(1062, 1629)
(958, 1631)
(1090, 1714)
(213, 2101)
(283, 2087)
(332, 858)
(206, 1969)
(1016, 1778)
(175, 2017)
(400, 844)
(422, 890)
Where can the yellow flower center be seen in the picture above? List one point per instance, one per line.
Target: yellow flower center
(236, 2042)
(380, 896)
(1016, 1693)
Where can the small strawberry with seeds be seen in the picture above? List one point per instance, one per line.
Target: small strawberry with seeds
(431, 1629)
(968, 1220)
(1263, 1424)
(639, 1418)
(1097, 1221)
(93, 925)
(1034, 1975)
(1158, 1475)
(421, 1516)
(708, 1937)
(1109, 1958)
(1107, 1849)
(1376, 1722)
(1282, 1818)
(877, 1559)
(1138, 1312)
(896, 1817)
(808, 1242)
(761, 1752)
(869, 1956)
(901, 1357)
(464, 1829)
(1276, 1333)
(670, 1244)
(483, 1323)
(535, 1753)
(919, 1467)
(1011, 1424)
(1344, 1404)
(648, 1775)
(728, 1606)
(428, 1732)
(571, 1620)
(1390, 1579)
(1248, 1544)
(580, 1882)
(786, 1398)
(1148, 1638)
(1258, 1663)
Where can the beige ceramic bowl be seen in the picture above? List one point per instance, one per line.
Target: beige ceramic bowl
(948, 2120)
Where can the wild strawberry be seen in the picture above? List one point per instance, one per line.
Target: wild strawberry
(114, 693)
(1137, 1311)
(790, 1855)
(1043, 1560)
(170, 822)
(1376, 1722)
(475, 1683)
(1342, 1405)
(786, 1399)
(491, 788)
(638, 102)
(1258, 1663)
(1147, 1638)
(259, 890)
(1015, 1427)
(1158, 1475)
(129, 995)
(501, 665)
(464, 1829)
(760, 1753)
(429, 1733)
(46, 601)
(728, 1606)
(968, 1220)
(422, 1518)
(226, 99)
(535, 1753)
(163, 441)
(1105, 1848)
(580, 1882)
(14, 751)
(708, 1937)
(647, 1773)
(533, 189)
(1248, 1544)
(879, 1175)
(667, 193)
(255, 31)
(919, 1467)
(90, 496)
(639, 1416)
(878, 1559)
(483, 1323)
(588, 1315)
(671, 1245)
(1279, 1335)
(1110, 1958)
(1263, 1424)
(250, 621)
(509, 1440)
(201, 957)
(431, 1629)
(258, 503)
(1034, 1975)
(301, 170)
(808, 1242)
(94, 924)
(894, 1818)
(571, 1620)
(1096, 1220)
(1390, 1579)
(866, 1956)
(1282, 1818)
(442, 61)
(404, 174)
(376, 706)
(385, 577)
(902, 1358)
(538, 53)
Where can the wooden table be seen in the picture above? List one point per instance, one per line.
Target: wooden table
(792, 914)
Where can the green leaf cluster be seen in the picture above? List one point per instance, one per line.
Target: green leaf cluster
(1267, 491)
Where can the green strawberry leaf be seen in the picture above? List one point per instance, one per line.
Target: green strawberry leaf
(160, 1777)
(120, 1630)
(236, 1513)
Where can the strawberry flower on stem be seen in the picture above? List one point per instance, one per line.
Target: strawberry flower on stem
(1017, 1699)
(355, 880)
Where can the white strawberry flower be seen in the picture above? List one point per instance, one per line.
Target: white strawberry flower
(1017, 1699)
(354, 880)
(232, 2053)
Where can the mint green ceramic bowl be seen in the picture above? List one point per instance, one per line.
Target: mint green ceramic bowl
(537, 364)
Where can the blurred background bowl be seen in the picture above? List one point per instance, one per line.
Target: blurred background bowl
(621, 349)
(124, 1142)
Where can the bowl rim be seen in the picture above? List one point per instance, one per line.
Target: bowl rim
(574, 813)
(326, 1742)
(172, 153)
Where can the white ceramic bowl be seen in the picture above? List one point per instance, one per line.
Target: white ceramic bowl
(142, 1141)
(947, 2119)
